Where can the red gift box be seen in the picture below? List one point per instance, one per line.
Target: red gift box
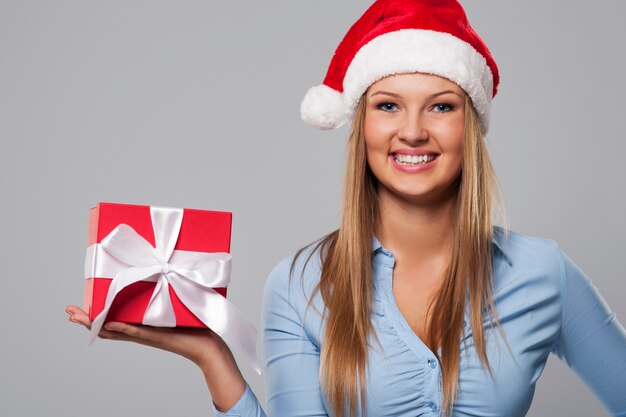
(200, 231)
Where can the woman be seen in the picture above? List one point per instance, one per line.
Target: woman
(417, 304)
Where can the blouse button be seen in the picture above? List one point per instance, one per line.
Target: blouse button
(433, 407)
(432, 363)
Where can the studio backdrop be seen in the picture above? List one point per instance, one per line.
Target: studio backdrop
(196, 104)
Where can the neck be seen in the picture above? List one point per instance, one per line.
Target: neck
(413, 231)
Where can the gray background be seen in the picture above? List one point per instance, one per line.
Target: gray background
(195, 104)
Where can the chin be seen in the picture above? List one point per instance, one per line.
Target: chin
(423, 195)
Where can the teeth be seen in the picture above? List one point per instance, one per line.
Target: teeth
(407, 160)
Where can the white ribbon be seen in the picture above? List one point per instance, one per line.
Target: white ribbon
(129, 258)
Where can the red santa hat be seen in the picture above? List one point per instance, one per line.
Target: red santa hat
(403, 36)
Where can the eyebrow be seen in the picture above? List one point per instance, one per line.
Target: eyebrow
(431, 96)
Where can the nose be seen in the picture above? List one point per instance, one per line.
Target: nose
(412, 130)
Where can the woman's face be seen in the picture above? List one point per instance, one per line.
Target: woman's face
(414, 128)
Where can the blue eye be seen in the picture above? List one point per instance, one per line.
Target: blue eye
(389, 107)
(442, 107)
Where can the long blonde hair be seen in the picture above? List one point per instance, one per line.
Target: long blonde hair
(346, 278)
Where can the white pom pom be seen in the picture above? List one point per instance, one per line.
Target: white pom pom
(323, 107)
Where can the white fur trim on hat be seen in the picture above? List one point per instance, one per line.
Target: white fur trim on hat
(324, 108)
(418, 50)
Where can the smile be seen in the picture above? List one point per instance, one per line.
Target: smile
(412, 160)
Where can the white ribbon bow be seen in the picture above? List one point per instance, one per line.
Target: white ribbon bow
(192, 275)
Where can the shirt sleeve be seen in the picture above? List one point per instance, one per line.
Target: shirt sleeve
(592, 342)
(292, 356)
(247, 406)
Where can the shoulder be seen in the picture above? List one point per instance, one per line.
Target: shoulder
(295, 278)
(528, 288)
(531, 263)
(523, 251)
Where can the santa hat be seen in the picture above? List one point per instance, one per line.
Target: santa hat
(403, 36)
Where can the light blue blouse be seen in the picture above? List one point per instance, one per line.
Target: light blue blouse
(544, 302)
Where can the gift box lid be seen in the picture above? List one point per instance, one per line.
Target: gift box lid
(201, 230)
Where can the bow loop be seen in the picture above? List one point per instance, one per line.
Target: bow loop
(128, 246)
(166, 223)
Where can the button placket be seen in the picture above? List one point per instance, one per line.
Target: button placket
(431, 405)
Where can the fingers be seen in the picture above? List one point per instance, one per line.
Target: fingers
(72, 309)
(134, 333)
(125, 329)
(194, 344)
(115, 330)
(119, 331)
(78, 316)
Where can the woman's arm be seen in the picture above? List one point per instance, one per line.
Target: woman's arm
(592, 341)
(292, 354)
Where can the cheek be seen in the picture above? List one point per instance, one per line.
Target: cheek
(376, 152)
(377, 136)
(452, 137)
(375, 155)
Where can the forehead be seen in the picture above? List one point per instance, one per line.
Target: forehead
(414, 83)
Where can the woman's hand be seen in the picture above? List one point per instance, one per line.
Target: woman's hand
(197, 345)
(202, 346)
